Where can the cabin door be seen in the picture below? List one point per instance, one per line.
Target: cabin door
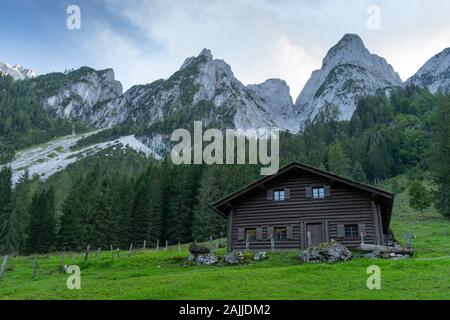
(314, 232)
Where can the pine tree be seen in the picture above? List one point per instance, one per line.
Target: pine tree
(78, 226)
(179, 213)
(9, 230)
(441, 156)
(22, 204)
(41, 231)
(206, 222)
(121, 223)
(148, 205)
(338, 162)
(100, 218)
(358, 172)
(217, 182)
(378, 158)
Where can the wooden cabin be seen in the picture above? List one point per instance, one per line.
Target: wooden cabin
(302, 206)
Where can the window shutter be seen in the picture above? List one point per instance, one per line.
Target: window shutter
(341, 231)
(327, 191)
(308, 192)
(290, 233)
(259, 233)
(361, 228)
(269, 232)
(270, 194)
(241, 234)
(287, 193)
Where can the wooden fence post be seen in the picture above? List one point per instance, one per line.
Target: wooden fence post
(131, 249)
(88, 249)
(118, 253)
(33, 274)
(61, 266)
(167, 245)
(210, 244)
(272, 243)
(157, 244)
(145, 242)
(98, 253)
(179, 246)
(3, 268)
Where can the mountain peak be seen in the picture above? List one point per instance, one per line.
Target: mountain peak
(206, 53)
(17, 72)
(349, 47)
(350, 38)
(349, 71)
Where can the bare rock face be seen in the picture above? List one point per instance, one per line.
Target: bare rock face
(274, 96)
(435, 74)
(349, 71)
(83, 94)
(205, 89)
(326, 253)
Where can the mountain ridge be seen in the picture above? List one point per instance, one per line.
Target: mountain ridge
(205, 88)
(17, 72)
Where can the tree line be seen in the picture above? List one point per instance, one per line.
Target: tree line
(164, 203)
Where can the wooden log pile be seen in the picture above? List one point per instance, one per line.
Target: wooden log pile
(384, 249)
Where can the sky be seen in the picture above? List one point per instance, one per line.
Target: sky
(146, 40)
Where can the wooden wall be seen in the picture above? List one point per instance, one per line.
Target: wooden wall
(345, 205)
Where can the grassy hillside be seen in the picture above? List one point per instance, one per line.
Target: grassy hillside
(161, 274)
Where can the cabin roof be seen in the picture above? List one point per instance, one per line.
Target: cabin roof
(386, 198)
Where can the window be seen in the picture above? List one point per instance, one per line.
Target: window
(351, 231)
(280, 233)
(279, 195)
(318, 192)
(250, 234)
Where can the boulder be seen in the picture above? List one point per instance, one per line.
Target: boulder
(259, 256)
(327, 252)
(235, 257)
(206, 260)
(197, 249)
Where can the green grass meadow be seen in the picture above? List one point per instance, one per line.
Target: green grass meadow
(163, 274)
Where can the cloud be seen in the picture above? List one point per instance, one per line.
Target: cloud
(246, 35)
(261, 39)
